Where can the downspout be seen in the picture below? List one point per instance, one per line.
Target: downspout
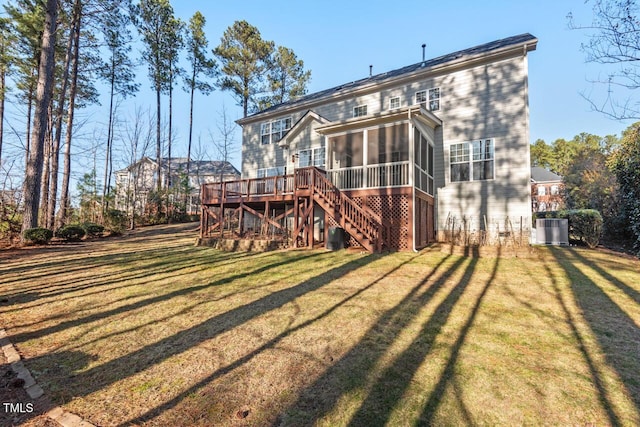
(412, 161)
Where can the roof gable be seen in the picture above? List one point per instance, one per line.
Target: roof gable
(539, 174)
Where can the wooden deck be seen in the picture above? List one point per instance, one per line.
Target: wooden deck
(274, 199)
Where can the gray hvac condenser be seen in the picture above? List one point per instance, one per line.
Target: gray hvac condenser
(552, 231)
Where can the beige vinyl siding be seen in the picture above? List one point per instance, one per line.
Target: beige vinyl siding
(479, 102)
(492, 104)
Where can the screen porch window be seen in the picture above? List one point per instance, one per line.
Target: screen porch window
(472, 161)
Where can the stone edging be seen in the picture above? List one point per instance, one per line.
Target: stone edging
(59, 415)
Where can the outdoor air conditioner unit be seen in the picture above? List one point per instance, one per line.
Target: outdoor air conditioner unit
(552, 231)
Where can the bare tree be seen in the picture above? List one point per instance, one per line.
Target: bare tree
(613, 40)
(224, 144)
(138, 137)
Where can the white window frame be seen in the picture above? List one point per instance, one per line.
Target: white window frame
(269, 172)
(555, 190)
(360, 110)
(273, 131)
(430, 98)
(433, 96)
(542, 190)
(466, 153)
(391, 102)
(316, 157)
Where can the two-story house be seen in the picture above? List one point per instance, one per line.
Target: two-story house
(136, 181)
(547, 190)
(398, 159)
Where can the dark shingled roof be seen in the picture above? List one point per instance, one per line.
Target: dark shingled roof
(483, 48)
(539, 174)
(204, 167)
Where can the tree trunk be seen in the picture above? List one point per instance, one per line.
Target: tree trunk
(158, 147)
(43, 97)
(64, 193)
(55, 157)
(193, 88)
(2, 93)
(107, 161)
(46, 174)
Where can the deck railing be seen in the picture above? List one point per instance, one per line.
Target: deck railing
(371, 176)
(273, 185)
(366, 223)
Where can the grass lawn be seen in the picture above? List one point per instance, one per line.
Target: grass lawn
(151, 330)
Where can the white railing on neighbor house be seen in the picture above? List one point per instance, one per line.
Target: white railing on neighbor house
(371, 176)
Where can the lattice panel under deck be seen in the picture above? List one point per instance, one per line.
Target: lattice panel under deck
(394, 209)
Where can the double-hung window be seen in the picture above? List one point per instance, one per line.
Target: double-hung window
(360, 110)
(311, 157)
(429, 99)
(394, 102)
(472, 161)
(273, 131)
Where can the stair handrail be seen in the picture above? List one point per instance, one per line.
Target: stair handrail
(362, 220)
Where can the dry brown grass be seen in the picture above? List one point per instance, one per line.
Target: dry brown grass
(152, 330)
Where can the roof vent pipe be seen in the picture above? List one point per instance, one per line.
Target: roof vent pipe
(423, 46)
(370, 70)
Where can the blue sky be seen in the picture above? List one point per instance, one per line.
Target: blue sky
(338, 40)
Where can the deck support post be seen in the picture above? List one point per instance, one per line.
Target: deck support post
(296, 220)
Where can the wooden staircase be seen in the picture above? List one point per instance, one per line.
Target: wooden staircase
(363, 225)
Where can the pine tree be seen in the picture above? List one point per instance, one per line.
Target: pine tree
(43, 97)
(152, 17)
(244, 56)
(197, 43)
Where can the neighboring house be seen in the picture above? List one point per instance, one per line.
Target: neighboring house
(135, 182)
(416, 152)
(547, 190)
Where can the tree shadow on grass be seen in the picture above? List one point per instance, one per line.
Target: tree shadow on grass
(39, 333)
(101, 376)
(98, 283)
(272, 343)
(353, 371)
(617, 334)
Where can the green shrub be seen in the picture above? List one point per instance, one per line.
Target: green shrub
(115, 221)
(39, 236)
(92, 229)
(71, 232)
(584, 224)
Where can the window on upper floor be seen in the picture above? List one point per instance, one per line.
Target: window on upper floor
(472, 161)
(360, 110)
(273, 131)
(429, 99)
(394, 102)
(542, 190)
(555, 190)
